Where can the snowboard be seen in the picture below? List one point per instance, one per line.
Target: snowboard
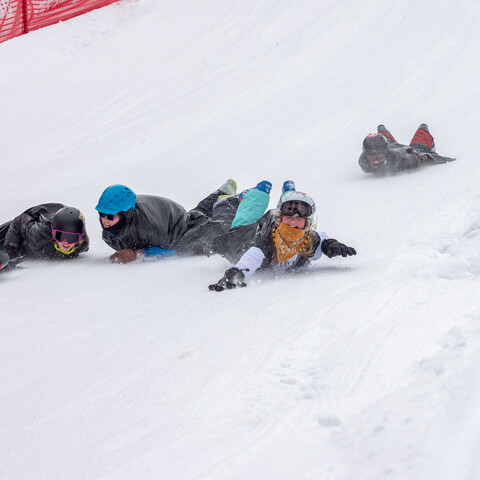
(435, 158)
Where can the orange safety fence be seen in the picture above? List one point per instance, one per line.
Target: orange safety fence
(20, 16)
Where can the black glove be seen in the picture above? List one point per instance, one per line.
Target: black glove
(233, 278)
(4, 259)
(333, 248)
(14, 257)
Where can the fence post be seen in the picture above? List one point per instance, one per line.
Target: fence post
(24, 15)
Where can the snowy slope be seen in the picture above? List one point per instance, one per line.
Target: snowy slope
(362, 368)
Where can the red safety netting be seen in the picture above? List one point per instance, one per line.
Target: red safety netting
(11, 19)
(41, 13)
(20, 16)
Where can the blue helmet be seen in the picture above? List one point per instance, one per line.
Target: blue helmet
(115, 199)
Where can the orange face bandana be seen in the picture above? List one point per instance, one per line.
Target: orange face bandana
(288, 241)
(289, 233)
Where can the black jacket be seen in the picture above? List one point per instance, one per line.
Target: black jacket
(30, 235)
(161, 222)
(154, 222)
(399, 158)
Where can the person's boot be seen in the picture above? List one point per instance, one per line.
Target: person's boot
(288, 185)
(383, 130)
(264, 186)
(423, 137)
(424, 126)
(229, 187)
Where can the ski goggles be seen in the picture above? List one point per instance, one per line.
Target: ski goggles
(295, 207)
(109, 216)
(70, 237)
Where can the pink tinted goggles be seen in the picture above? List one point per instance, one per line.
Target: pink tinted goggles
(60, 236)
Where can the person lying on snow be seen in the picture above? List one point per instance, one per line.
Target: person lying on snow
(141, 226)
(383, 155)
(283, 238)
(47, 232)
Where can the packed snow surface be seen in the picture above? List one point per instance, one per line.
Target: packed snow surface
(363, 368)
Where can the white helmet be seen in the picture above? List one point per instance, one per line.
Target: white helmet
(299, 203)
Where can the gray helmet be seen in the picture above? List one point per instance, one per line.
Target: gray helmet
(375, 143)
